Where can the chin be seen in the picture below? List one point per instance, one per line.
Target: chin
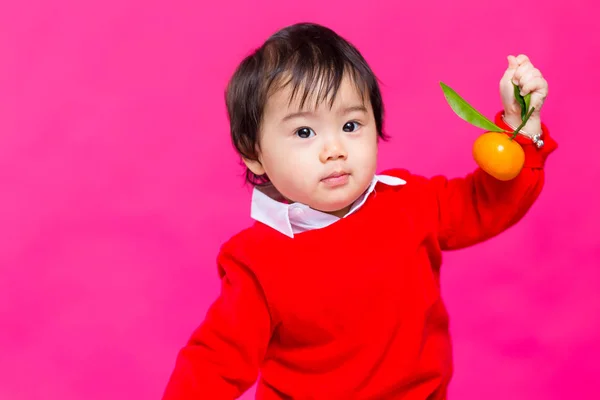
(334, 205)
(332, 208)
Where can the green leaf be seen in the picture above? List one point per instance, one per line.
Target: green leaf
(467, 112)
(520, 99)
(527, 103)
(523, 101)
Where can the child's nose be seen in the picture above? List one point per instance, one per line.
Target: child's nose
(333, 150)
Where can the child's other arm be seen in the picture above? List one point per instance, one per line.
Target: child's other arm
(221, 359)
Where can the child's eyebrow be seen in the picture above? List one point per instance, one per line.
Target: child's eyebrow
(342, 111)
(296, 115)
(349, 109)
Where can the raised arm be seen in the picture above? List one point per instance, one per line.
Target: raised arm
(477, 207)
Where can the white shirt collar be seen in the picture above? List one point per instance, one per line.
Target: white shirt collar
(290, 219)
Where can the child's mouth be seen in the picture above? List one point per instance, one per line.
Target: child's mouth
(336, 179)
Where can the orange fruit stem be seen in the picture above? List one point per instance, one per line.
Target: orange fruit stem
(516, 132)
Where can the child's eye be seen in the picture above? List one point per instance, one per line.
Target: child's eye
(351, 126)
(305, 133)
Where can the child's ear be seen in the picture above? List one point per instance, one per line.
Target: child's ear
(255, 166)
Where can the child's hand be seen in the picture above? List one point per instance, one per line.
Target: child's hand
(530, 80)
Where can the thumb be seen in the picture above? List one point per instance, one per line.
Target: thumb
(506, 87)
(512, 62)
(506, 81)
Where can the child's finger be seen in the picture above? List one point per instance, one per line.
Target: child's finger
(537, 100)
(522, 71)
(522, 58)
(530, 75)
(510, 70)
(534, 84)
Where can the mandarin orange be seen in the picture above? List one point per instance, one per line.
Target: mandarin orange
(498, 155)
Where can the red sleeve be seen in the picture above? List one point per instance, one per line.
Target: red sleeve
(222, 358)
(477, 207)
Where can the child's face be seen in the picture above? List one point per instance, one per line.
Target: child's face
(301, 148)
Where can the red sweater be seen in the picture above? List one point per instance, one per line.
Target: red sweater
(353, 310)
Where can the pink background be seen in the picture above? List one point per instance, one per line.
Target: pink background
(118, 183)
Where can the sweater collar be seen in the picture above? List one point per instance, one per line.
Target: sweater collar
(294, 218)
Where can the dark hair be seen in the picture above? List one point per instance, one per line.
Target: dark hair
(304, 55)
